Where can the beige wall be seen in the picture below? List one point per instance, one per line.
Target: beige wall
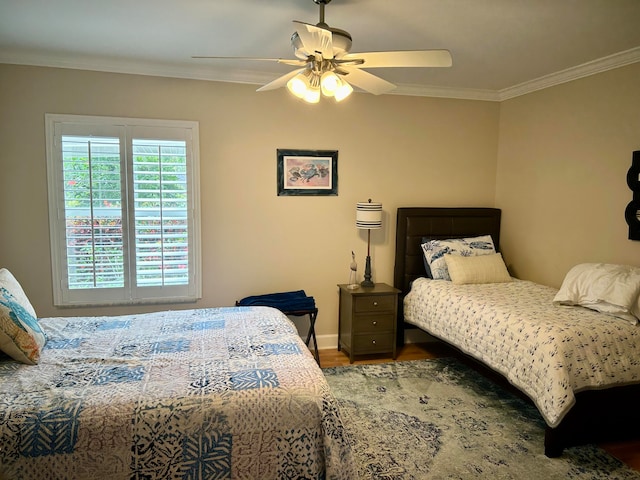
(563, 157)
(554, 160)
(401, 151)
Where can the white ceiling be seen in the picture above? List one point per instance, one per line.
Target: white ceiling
(500, 48)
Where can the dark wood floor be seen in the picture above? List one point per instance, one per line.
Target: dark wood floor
(627, 452)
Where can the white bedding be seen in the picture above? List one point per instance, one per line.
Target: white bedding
(549, 352)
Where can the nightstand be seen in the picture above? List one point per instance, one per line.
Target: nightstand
(367, 321)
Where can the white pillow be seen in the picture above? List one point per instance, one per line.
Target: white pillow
(606, 288)
(20, 334)
(435, 250)
(478, 269)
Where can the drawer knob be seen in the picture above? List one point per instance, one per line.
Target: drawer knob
(375, 304)
(374, 322)
(373, 341)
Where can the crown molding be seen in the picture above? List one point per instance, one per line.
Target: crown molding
(446, 92)
(208, 73)
(600, 65)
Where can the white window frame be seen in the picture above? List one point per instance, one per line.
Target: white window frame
(126, 129)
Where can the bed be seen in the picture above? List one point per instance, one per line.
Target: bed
(195, 394)
(580, 368)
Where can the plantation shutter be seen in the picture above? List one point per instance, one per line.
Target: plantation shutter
(92, 184)
(161, 208)
(123, 210)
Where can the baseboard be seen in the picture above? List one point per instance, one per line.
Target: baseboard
(327, 342)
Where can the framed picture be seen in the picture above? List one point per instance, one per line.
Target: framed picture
(307, 172)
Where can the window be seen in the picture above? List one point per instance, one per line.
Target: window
(123, 210)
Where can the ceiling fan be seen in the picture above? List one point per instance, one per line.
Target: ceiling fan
(327, 67)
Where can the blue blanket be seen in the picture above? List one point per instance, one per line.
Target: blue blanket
(285, 301)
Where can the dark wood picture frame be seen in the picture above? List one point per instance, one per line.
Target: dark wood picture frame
(307, 172)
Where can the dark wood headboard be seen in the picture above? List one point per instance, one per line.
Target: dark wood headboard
(414, 223)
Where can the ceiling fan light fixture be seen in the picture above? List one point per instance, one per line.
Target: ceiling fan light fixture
(312, 95)
(343, 91)
(329, 83)
(310, 86)
(298, 85)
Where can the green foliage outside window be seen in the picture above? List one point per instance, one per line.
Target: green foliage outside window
(93, 198)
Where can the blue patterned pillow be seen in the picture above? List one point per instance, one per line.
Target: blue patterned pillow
(424, 258)
(20, 334)
(435, 250)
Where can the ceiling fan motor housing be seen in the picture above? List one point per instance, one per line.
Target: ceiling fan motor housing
(341, 42)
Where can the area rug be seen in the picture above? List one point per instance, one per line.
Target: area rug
(441, 419)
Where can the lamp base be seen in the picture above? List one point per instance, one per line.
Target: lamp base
(367, 274)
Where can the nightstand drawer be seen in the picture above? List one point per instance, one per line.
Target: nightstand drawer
(374, 303)
(373, 342)
(373, 323)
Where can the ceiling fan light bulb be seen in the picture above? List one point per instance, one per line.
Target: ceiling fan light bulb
(312, 95)
(343, 91)
(298, 86)
(329, 83)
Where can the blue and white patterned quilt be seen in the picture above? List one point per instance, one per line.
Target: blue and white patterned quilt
(192, 394)
(549, 352)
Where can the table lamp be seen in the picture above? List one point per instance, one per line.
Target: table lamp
(368, 217)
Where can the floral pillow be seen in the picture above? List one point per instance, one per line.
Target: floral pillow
(20, 334)
(424, 258)
(435, 250)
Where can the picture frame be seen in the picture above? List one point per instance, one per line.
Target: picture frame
(307, 172)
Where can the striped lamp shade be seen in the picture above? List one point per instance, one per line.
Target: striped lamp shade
(369, 215)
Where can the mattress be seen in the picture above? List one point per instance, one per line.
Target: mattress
(205, 393)
(549, 352)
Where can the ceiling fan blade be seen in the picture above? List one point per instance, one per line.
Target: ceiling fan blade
(316, 40)
(280, 81)
(408, 58)
(367, 81)
(284, 61)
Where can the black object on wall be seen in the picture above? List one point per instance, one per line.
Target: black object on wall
(632, 212)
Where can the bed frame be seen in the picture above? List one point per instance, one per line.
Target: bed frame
(598, 415)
